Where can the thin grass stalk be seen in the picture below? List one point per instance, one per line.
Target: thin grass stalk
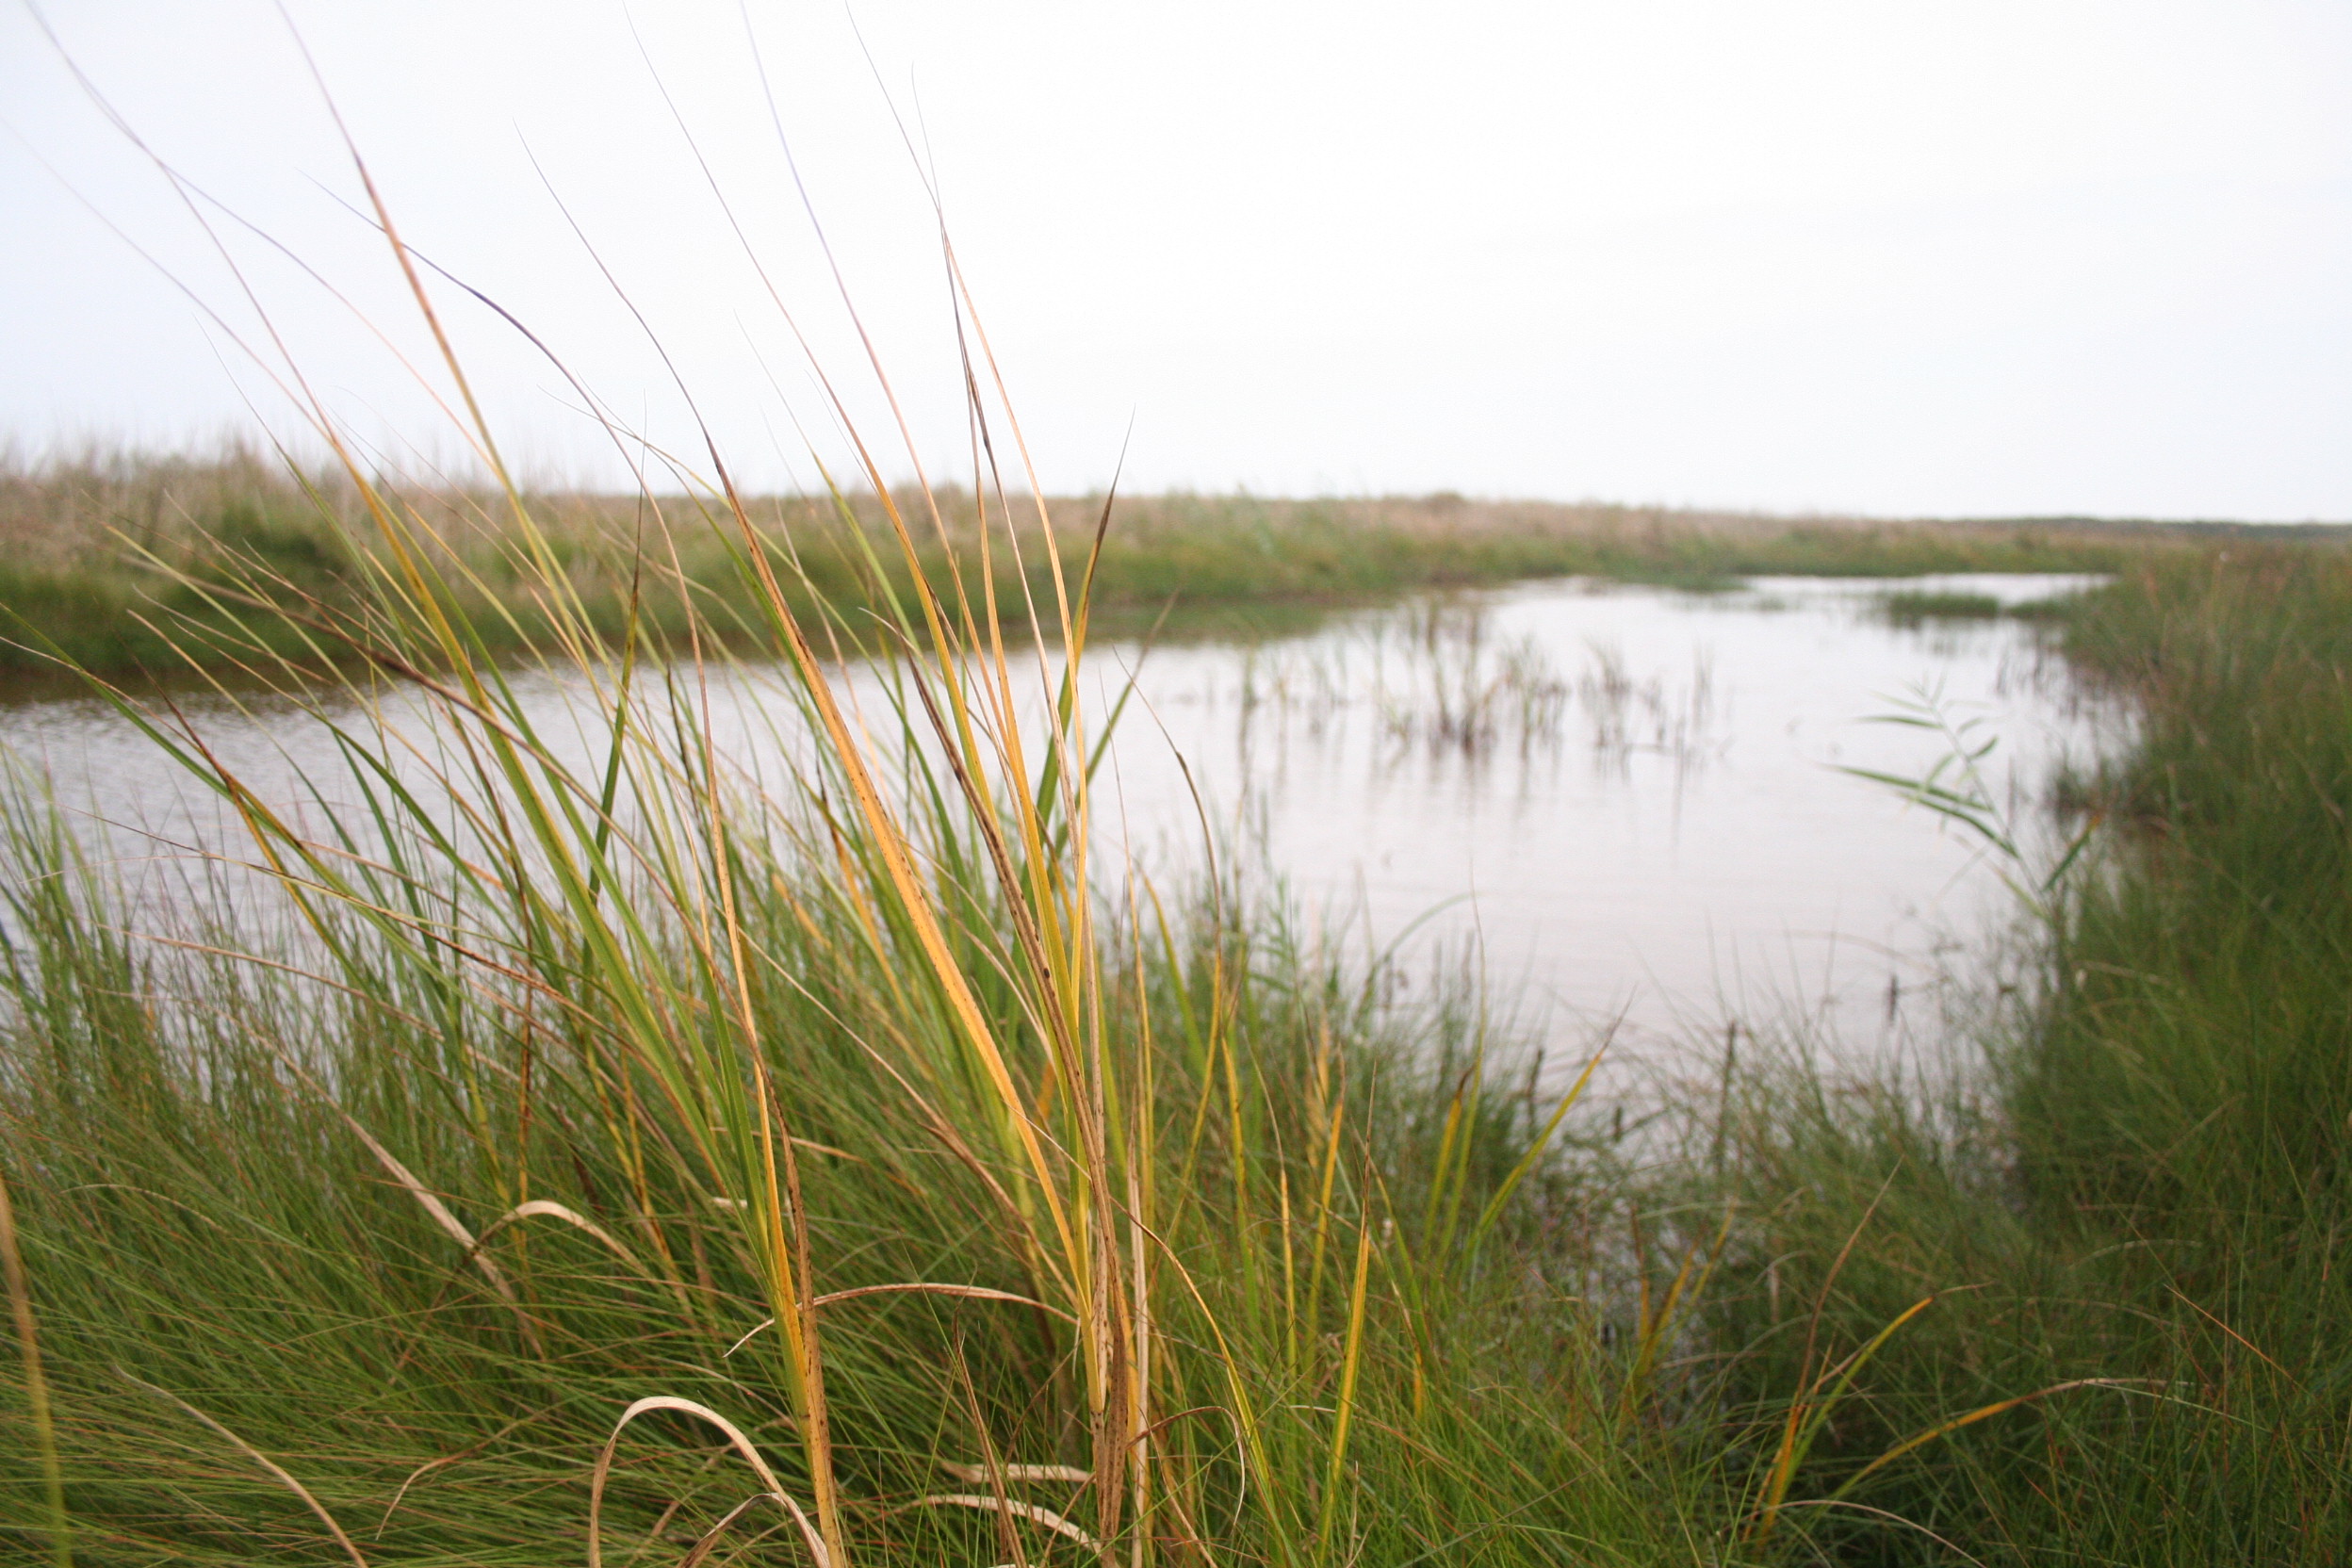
(1352, 1362)
(36, 1383)
(276, 1471)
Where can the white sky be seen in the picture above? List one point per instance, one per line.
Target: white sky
(1907, 257)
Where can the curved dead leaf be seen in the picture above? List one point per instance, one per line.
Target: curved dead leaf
(1030, 1511)
(544, 1208)
(736, 1440)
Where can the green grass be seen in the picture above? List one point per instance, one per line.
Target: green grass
(1320, 1258)
(203, 1220)
(117, 559)
(1921, 607)
(2145, 1186)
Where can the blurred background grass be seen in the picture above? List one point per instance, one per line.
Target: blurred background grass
(95, 543)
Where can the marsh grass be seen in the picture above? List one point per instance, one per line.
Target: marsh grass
(1919, 607)
(2129, 1218)
(213, 1219)
(1439, 681)
(525, 1145)
(841, 1122)
(100, 541)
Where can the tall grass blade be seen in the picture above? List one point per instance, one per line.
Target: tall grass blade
(36, 1382)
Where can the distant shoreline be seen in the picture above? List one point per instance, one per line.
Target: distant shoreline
(130, 563)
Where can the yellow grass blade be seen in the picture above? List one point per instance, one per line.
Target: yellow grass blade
(1983, 1413)
(1808, 1415)
(1337, 1469)
(1495, 1205)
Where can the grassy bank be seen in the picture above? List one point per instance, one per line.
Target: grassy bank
(119, 561)
(1335, 1353)
(2133, 1220)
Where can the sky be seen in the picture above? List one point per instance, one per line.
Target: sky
(1906, 257)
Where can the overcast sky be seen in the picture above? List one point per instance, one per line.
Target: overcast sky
(1906, 257)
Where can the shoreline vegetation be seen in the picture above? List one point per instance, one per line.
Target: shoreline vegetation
(118, 561)
(2123, 1237)
(634, 1160)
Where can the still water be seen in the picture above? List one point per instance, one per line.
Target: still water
(1621, 805)
(1626, 805)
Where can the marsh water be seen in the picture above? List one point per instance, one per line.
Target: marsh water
(1626, 807)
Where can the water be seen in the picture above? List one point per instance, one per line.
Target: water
(1643, 821)
(1624, 804)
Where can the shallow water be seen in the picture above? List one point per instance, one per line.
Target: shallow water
(1645, 821)
(1622, 804)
